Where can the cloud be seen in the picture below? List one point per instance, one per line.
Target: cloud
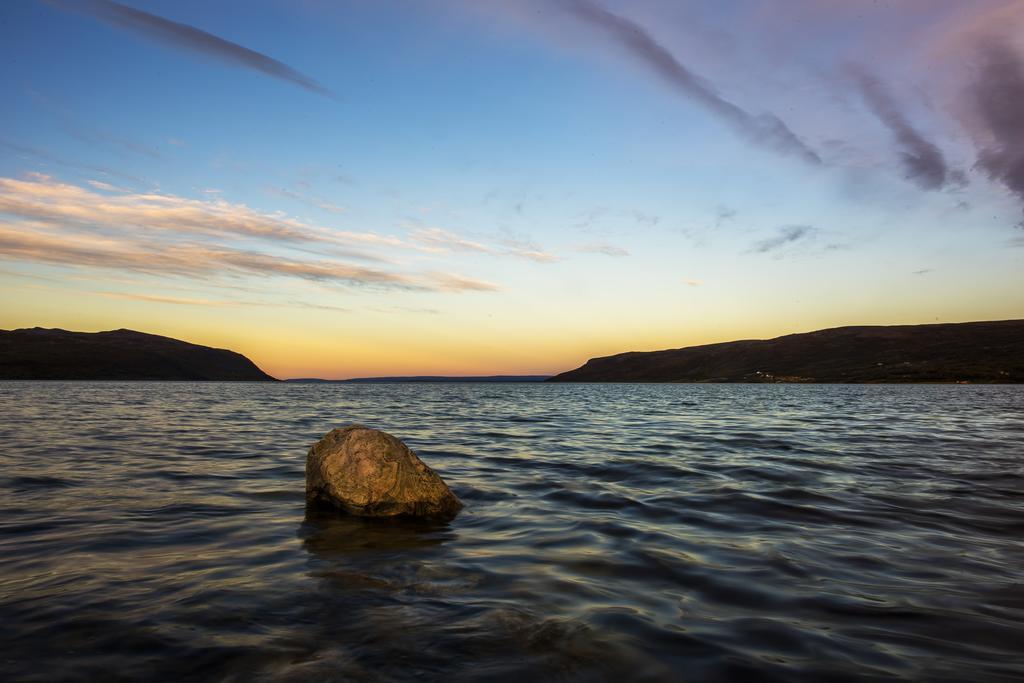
(693, 283)
(313, 201)
(192, 39)
(450, 282)
(26, 242)
(184, 301)
(528, 251)
(923, 162)
(589, 217)
(88, 134)
(650, 220)
(174, 300)
(46, 156)
(58, 223)
(22, 243)
(724, 214)
(763, 129)
(998, 99)
(602, 248)
(786, 234)
(42, 198)
(438, 240)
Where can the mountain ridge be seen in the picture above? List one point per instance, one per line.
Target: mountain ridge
(985, 351)
(39, 353)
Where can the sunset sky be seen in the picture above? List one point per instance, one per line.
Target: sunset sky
(341, 189)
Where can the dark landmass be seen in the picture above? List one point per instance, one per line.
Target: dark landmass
(39, 353)
(985, 352)
(429, 378)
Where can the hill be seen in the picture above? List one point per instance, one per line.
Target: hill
(39, 353)
(954, 352)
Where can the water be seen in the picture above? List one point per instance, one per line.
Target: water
(157, 531)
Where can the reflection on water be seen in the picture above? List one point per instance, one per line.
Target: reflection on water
(159, 532)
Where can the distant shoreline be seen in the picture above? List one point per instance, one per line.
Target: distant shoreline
(425, 379)
(946, 353)
(989, 352)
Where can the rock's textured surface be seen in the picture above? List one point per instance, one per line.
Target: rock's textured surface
(367, 472)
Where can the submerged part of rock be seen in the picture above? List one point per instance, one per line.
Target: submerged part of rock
(367, 472)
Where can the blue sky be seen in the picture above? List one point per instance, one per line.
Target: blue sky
(363, 188)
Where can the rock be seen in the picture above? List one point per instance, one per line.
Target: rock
(367, 472)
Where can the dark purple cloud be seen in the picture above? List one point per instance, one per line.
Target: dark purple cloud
(998, 99)
(923, 162)
(764, 129)
(191, 38)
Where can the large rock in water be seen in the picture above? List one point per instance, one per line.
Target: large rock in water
(367, 472)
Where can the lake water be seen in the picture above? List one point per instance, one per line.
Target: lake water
(157, 531)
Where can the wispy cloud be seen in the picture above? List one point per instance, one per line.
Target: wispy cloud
(106, 187)
(94, 135)
(309, 200)
(923, 162)
(998, 98)
(451, 282)
(26, 242)
(693, 283)
(785, 235)
(173, 300)
(438, 240)
(764, 129)
(59, 223)
(602, 248)
(647, 219)
(192, 39)
(528, 251)
(42, 198)
(724, 214)
(186, 301)
(46, 156)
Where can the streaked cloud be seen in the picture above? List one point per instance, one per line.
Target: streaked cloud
(173, 300)
(186, 301)
(27, 242)
(723, 214)
(522, 247)
(106, 187)
(58, 223)
(42, 198)
(309, 200)
(437, 240)
(646, 219)
(602, 248)
(923, 162)
(192, 39)
(451, 282)
(998, 100)
(46, 156)
(764, 129)
(785, 235)
(693, 283)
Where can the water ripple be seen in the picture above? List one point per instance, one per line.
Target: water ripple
(157, 531)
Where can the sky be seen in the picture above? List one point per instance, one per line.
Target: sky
(344, 189)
